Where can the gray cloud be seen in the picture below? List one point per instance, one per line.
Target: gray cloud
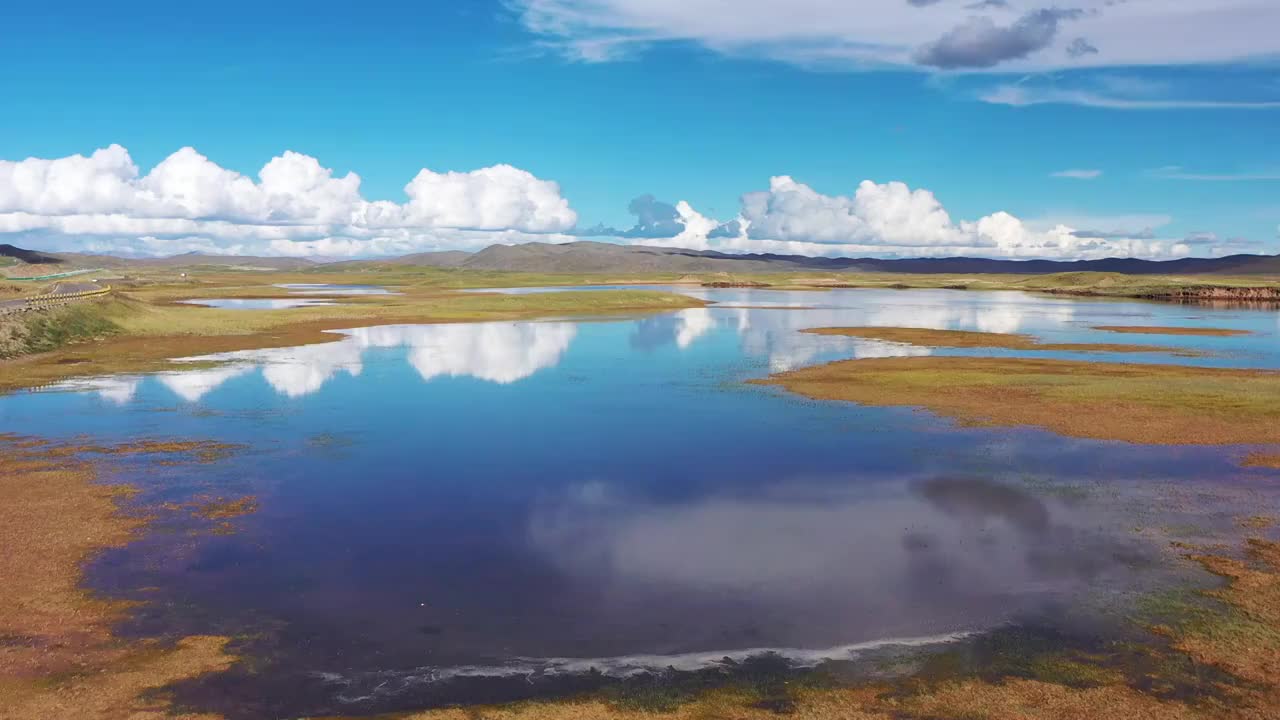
(989, 5)
(923, 3)
(730, 229)
(1081, 47)
(1145, 234)
(1213, 240)
(1201, 238)
(654, 219)
(980, 43)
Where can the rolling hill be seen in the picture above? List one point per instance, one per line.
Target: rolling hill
(187, 260)
(601, 257)
(591, 257)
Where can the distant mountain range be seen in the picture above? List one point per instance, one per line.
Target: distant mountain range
(31, 257)
(598, 257)
(187, 260)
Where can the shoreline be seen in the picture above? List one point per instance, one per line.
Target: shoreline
(1197, 652)
(59, 653)
(1209, 658)
(143, 331)
(145, 322)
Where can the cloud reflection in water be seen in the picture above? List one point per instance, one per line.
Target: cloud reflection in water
(506, 352)
(860, 557)
(495, 352)
(771, 326)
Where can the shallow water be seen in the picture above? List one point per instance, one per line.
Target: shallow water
(446, 507)
(334, 289)
(255, 303)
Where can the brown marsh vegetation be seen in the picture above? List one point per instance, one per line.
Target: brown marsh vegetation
(1267, 460)
(970, 339)
(1140, 403)
(58, 655)
(1159, 330)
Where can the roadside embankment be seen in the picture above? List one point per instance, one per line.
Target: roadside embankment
(43, 328)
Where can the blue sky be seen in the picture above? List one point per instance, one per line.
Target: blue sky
(615, 99)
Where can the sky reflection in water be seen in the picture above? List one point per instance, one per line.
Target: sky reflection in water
(255, 303)
(501, 497)
(334, 289)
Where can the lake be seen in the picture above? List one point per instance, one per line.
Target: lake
(333, 289)
(256, 303)
(470, 512)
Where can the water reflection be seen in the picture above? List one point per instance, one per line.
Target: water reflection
(863, 558)
(334, 289)
(115, 390)
(255, 303)
(495, 352)
(634, 508)
(692, 324)
(501, 353)
(771, 334)
(767, 326)
(191, 385)
(768, 322)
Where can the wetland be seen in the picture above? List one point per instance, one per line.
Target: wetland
(852, 503)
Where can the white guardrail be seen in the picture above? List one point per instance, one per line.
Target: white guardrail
(41, 301)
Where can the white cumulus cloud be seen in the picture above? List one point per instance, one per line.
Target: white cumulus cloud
(296, 206)
(893, 219)
(103, 203)
(888, 214)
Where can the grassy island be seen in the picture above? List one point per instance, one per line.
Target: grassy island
(1141, 403)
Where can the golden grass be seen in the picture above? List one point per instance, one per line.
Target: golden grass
(58, 657)
(1257, 522)
(224, 509)
(969, 339)
(1153, 404)
(1246, 642)
(1160, 330)
(218, 509)
(715, 705)
(1014, 700)
(1259, 459)
(204, 451)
